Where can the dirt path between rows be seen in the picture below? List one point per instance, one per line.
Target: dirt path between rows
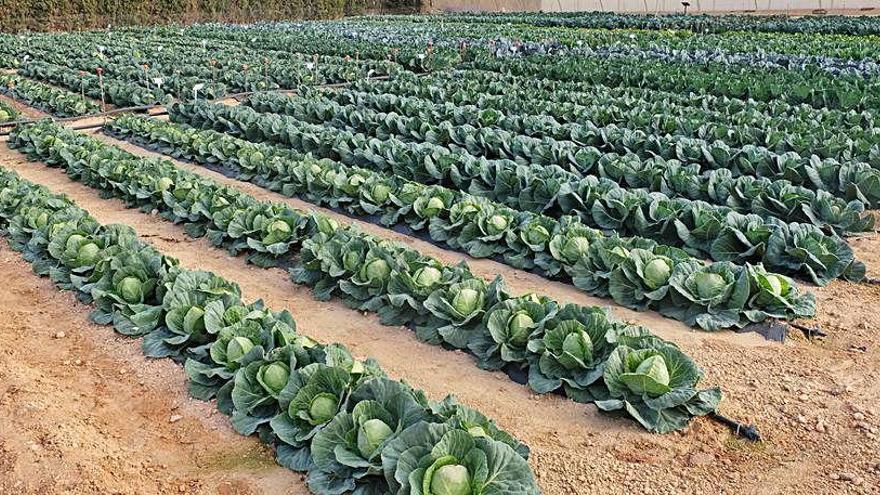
(83, 412)
(27, 112)
(816, 403)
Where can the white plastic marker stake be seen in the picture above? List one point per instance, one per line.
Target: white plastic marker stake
(100, 72)
(196, 89)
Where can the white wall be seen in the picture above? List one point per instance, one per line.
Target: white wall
(652, 5)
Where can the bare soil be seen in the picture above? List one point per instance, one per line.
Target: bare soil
(816, 403)
(26, 111)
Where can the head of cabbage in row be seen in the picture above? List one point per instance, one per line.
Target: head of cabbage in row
(655, 383)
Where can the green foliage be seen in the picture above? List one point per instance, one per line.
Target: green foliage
(443, 304)
(324, 412)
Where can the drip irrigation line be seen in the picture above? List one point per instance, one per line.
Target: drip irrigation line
(747, 432)
(809, 332)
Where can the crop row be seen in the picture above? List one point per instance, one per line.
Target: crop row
(657, 276)
(774, 124)
(648, 162)
(843, 136)
(342, 420)
(704, 23)
(118, 92)
(696, 226)
(794, 87)
(809, 68)
(56, 101)
(181, 66)
(560, 348)
(816, 48)
(314, 38)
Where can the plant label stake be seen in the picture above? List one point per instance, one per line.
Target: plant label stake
(158, 82)
(100, 72)
(196, 89)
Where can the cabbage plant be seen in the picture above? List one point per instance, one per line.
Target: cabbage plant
(775, 296)
(592, 272)
(256, 388)
(253, 397)
(416, 277)
(568, 247)
(184, 304)
(655, 383)
(130, 292)
(709, 296)
(245, 340)
(642, 279)
(463, 212)
(462, 417)
(266, 232)
(483, 237)
(531, 238)
(79, 247)
(366, 288)
(347, 453)
(460, 307)
(802, 247)
(438, 459)
(432, 201)
(328, 258)
(745, 238)
(572, 351)
(511, 323)
(313, 396)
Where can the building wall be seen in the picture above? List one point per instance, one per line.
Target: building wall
(650, 5)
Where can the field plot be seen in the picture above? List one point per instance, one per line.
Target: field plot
(468, 254)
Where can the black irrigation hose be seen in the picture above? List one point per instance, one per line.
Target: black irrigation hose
(871, 281)
(747, 432)
(809, 332)
(142, 108)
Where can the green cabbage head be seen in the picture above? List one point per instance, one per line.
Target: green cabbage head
(427, 276)
(131, 289)
(709, 285)
(657, 272)
(322, 408)
(370, 435)
(273, 377)
(438, 459)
